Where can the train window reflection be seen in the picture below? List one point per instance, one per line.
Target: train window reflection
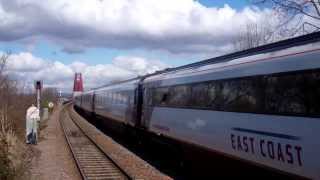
(199, 96)
(214, 95)
(179, 95)
(160, 96)
(291, 93)
(240, 95)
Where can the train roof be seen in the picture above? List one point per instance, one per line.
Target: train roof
(119, 82)
(272, 47)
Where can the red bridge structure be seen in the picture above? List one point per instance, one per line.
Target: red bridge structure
(78, 84)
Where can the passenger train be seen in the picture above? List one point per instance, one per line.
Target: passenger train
(260, 106)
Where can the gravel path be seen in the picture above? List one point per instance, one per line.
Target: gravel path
(54, 160)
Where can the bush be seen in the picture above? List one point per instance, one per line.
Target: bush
(5, 164)
(15, 156)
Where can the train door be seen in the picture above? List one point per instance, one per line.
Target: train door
(80, 103)
(146, 107)
(138, 105)
(93, 102)
(129, 108)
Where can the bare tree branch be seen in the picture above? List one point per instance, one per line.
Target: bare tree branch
(293, 14)
(316, 6)
(253, 35)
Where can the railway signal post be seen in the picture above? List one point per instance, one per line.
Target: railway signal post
(38, 86)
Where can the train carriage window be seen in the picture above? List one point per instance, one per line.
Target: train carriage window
(294, 94)
(127, 97)
(123, 101)
(312, 93)
(97, 99)
(112, 98)
(116, 98)
(214, 95)
(109, 98)
(131, 98)
(240, 95)
(284, 95)
(102, 97)
(119, 98)
(179, 96)
(124, 97)
(160, 96)
(105, 100)
(290, 93)
(148, 96)
(199, 95)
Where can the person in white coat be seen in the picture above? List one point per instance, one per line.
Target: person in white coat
(32, 118)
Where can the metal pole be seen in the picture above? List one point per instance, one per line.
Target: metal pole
(38, 99)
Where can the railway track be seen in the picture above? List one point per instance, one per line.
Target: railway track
(91, 161)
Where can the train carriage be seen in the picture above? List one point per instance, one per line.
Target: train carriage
(263, 108)
(77, 100)
(117, 101)
(87, 99)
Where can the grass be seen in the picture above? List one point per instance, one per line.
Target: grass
(15, 156)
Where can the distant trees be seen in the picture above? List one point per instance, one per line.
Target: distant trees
(253, 35)
(291, 18)
(12, 102)
(3, 62)
(4, 91)
(49, 95)
(292, 8)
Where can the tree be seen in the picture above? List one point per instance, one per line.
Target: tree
(3, 61)
(296, 16)
(14, 156)
(4, 86)
(253, 35)
(293, 8)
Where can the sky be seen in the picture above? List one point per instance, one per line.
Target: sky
(109, 40)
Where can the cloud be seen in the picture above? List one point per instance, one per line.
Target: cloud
(26, 67)
(179, 26)
(25, 62)
(139, 65)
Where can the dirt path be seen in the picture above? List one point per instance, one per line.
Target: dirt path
(54, 160)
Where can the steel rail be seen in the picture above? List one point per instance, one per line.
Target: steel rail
(90, 160)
